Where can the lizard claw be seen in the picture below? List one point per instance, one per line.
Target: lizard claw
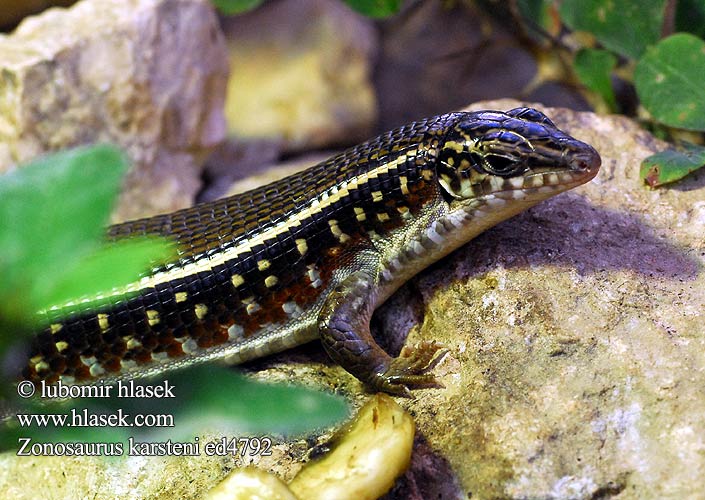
(409, 370)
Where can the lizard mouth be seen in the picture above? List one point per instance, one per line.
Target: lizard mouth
(537, 183)
(579, 164)
(582, 167)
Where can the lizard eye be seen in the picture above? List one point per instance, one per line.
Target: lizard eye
(502, 166)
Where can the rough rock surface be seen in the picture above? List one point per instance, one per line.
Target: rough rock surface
(148, 75)
(576, 335)
(301, 74)
(577, 360)
(13, 11)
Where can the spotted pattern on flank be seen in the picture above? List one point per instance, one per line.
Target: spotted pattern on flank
(201, 310)
(302, 246)
(201, 302)
(103, 322)
(253, 269)
(153, 317)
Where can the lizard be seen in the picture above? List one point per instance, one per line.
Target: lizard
(312, 256)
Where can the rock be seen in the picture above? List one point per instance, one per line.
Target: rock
(576, 339)
(237, 159)
(148, 75)
(67, 477)
(301, 73)
(13, 11)
(576, 336)
(576, 363)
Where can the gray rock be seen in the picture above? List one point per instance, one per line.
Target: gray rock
(436, 56)
(147, 75)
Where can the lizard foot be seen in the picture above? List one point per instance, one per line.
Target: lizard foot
(409, 370)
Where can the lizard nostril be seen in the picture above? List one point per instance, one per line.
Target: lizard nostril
(586, 161)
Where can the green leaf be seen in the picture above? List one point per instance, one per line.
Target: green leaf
(235, 403)
(230, 7)
(594, 69)
(671, 165)
(534, 10)
(690, 17)
(375, 8)
(206, 398)
(538, 14)
(623, 26)
(670, 81)
(53, 213)
(107, 269)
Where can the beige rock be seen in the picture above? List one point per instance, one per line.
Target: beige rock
(301, 73)
(68, 478)
(13, 11)
(250, 483)
(577, 361)
(576, 335)
(148, 75)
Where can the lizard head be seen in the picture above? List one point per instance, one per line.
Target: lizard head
(517, 155)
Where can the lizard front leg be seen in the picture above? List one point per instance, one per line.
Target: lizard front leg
(344, 328)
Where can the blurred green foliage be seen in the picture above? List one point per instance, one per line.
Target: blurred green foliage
(375, 8)
(207, 399)
(669, 80)
(594, 68)
(52, 235)
(230, 7)
(370, 8)
(53, 214)
(654, 45)
(625, 27)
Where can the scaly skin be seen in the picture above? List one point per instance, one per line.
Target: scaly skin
(312, 255)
